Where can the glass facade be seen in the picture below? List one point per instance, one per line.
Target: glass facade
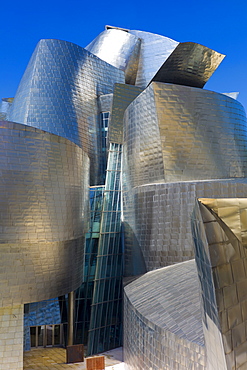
(84, 294)
(106, 323)
(104, 122)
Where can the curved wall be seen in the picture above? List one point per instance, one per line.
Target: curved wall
(157, 221)
(163, 320)
(190, 64)
(118, 48)
(179, 133)
(219, 234)
(58, 93)
(44, 193)
(155, 49)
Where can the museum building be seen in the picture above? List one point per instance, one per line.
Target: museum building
(123, 205)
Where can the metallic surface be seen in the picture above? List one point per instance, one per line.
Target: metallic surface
(179, 133)
(163, 320)
(105, 102)
(221, 262)
(155, 49)
(5, 106)
(44, 192)
(233, 213)
(122, 97)
(118, 48)
(179, 143)
(11, 337)
(190, 64)
(71, 318)
(157, 220)
(58, 93)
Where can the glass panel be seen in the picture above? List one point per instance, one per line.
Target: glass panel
(109, 262)
(33, 336)
(57, 329)
(41, 330)
(49, 335)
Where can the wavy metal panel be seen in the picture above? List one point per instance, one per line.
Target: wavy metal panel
(157, 221)
(221, 260)
(58, 93)
(155, 49)
(118, 48)
(177, 133)
(44, 192)
(122, 97)
(163, 320)
(190, 64)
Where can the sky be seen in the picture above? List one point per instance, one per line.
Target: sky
(218, 24)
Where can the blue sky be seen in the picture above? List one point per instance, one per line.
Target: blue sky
(220, 25)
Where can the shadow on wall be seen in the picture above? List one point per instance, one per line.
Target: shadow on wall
(134, 263)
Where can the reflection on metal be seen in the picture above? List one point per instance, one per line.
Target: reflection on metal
(5, 106)
(132, 67)
(221, 262)
(179, 133)
(163, 320)
(105, 102)
(118, 48)
(233, 212)
(44, 182)
(173, 138)
(233, 95)
(189, 64)
(122, 97)
(58, 93)
(155, 49)
(157, 220)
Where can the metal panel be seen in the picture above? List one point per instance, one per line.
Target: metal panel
(58, 93)
(163, 320)
(118, 48)
(179, 133)
(44, 193)
(190, 64)
(105, 102)
(221, 262)
(123, 95)
(157, 220)
(155, 49)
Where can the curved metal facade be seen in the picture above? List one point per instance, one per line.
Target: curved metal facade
(118, 48)
(58, 93)
(190, 64)
(44, 191)
(156, 333)
(157, 221)
(219, 234)
(178, 133)
(155, 49)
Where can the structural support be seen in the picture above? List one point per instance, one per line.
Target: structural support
(70, 318)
